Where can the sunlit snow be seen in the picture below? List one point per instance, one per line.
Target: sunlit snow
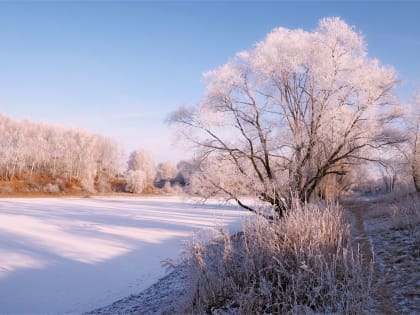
(75, 254)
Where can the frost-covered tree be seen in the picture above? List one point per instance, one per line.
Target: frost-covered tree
(166, 171)
(142, 160)
(296, 108)
(185, 171)
(136, 181)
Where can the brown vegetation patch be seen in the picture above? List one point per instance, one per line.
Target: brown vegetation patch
(39, 185)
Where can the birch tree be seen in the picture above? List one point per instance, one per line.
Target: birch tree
(295, 109)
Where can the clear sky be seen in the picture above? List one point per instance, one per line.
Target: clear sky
(119, 68)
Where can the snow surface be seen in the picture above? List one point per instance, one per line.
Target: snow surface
(166, 296)
(72, 255)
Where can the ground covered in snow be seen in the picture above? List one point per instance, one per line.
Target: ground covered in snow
(387, 231)
(394, 236)
(73, 255)
(163, 297)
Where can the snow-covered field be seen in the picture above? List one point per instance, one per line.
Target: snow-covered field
(71, 255)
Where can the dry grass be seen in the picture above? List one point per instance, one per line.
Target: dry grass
(38, 185)
(402, 211)
(392, 224)
(301, 264)
(405, 215)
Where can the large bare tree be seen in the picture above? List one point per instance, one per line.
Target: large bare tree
(296, 108)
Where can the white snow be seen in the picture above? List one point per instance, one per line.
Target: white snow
(71, 255)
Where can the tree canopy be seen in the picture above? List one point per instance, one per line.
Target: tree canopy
(299, 106)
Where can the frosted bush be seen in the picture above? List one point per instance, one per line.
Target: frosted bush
(51, 188)
(301, 264)
(136, 181)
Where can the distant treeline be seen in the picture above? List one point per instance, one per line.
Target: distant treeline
(29, 150)
(42, 157)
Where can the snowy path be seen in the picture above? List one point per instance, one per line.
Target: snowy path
(75, 254)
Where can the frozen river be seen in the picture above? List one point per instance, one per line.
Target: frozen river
(70, 255)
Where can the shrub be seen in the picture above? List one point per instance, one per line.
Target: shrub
(167, 188)
(402, 212)
(405, 215)
(103, 185)
(61, 184)
(136, 181)
(51, 188)
(34, 185)
(302, 264)
(7, 189)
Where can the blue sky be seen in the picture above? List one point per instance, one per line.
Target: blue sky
(119, 68)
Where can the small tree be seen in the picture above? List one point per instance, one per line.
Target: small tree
(136, 181)
(297, 108)
(166, 171)
(185, 169)
(141, 160)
